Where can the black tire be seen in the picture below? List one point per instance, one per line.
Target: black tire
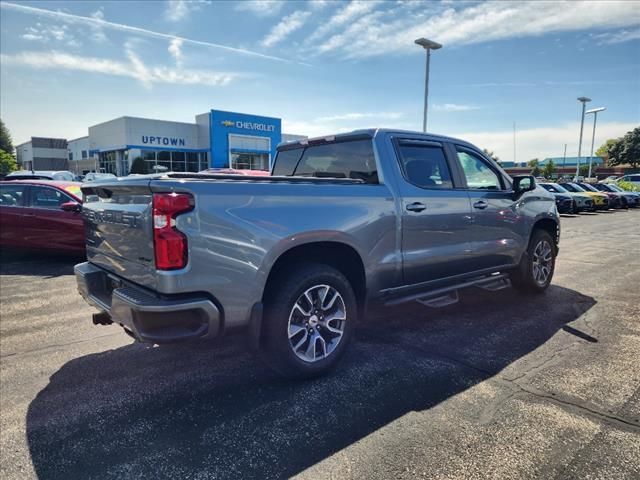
(282, 317)
(527, 277)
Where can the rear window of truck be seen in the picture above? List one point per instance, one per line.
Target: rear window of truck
(350, 159)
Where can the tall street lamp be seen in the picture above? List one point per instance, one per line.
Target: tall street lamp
(428, 45)
(593, 135)
(584, 101)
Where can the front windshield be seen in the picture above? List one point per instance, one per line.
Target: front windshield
(615, 188)
(572, 187)
(559, 188)
(588, 187)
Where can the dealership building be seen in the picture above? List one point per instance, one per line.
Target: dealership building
(217, 139)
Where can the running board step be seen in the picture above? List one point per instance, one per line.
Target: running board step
(498, 284)
(449, 295)
(440, 301)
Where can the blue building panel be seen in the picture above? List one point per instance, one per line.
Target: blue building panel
(222, 124)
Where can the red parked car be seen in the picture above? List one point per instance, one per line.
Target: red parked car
(41, 215)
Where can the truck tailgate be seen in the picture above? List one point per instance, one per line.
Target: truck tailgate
(119, 229)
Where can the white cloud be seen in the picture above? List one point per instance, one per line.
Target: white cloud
(97, 32)
(463, 24)
(346, 14)
(175, 49)
(287, 25)
(135, 68)
(50, 34)
(98, 22)
(454, 107)
(360, 116)
(499, 84)
(178, 10)
(318, 4)
(618, 37)
(261, 8)
(543, 142)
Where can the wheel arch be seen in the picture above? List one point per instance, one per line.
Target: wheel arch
(551, 226)
(339, 255)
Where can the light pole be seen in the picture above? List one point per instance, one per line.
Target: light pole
(593, 135)
(428, 45)
(584, 101)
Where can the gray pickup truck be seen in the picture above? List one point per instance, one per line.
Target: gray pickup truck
(344, 224)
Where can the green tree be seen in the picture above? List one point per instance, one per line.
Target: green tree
(139, 166)
(534, 164)
(8, 164)
(6, 143)
(603, 151)
(549, 169)
(626, 150)
(491, 155)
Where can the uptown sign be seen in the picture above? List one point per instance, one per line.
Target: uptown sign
(261, 127)
(168, 141)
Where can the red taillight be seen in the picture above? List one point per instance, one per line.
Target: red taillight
(170, 244)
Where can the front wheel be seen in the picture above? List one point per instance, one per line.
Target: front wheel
(538, 264)
(309, 320)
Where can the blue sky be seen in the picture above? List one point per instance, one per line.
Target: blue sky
(327, 66)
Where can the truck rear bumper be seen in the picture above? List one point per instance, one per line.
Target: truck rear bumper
(147, 316)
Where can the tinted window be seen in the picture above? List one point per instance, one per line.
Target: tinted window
(572, 187)
(425, 165)
(477, 172)
(352, 159)
(12, 195)
(588, 187)
(45, 197)
(286, 161)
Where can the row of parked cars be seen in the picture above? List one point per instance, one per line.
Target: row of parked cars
(41, 210)
(576, 197)
(62, 175)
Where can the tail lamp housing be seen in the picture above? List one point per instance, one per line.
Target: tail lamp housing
(170, 244)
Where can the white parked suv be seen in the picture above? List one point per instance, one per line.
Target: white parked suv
(633, 178)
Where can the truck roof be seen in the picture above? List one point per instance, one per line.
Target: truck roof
(370, 132)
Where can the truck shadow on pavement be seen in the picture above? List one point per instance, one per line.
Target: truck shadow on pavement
(214, 411)
(46, 265)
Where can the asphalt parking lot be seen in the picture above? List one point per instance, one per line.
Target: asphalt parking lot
(501, 385)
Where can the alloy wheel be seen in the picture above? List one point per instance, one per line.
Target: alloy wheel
(316, 323)
(542, 262)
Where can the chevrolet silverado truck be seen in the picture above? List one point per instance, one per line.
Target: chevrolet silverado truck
(343, 225)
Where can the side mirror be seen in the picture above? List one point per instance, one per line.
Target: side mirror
(523, 183)
(71, 207)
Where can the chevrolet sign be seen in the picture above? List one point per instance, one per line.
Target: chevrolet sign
(262, 127)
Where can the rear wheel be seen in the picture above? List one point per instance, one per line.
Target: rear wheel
(309, 321)
(538, 264)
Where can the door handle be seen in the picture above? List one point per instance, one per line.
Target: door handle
(480, 204)
(416, 207)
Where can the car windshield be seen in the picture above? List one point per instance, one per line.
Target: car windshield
(558, 188)
(615, 188)
(572, 187)
(588, 187)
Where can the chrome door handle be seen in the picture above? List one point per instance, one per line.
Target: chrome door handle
(480, 204)
(416, 207)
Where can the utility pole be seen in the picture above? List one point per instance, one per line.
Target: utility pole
(428, 45)
(584, 101)
(514, 142)
(593, 136)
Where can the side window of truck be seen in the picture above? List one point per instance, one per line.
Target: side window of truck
(424, 165)
(478, 173)
(350, 159)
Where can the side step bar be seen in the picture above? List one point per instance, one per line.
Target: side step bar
(444, 296)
